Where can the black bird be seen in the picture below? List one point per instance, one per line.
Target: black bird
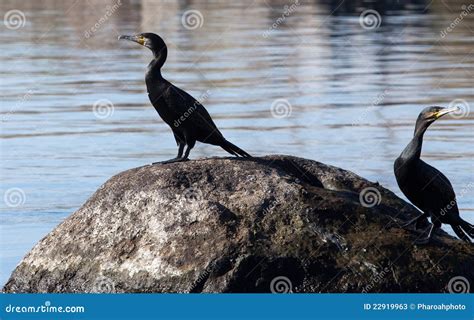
(426, 187)
(186, 116)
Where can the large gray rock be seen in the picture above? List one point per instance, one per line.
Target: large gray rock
(276, 223)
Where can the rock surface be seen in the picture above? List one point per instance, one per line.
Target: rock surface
(271, 224)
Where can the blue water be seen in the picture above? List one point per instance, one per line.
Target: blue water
(354, 94)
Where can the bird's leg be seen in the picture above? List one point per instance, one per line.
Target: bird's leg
(425, 240)
(180, 150)
(186, 154)
(435, 225)
(178, 157)
(415, 221)
(190, 144)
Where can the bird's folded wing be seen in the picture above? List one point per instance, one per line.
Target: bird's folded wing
(191, 109)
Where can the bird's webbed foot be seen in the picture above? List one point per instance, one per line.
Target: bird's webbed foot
(171, 161)
(422, 241)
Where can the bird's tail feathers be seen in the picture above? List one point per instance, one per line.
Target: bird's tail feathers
(467, 228)
(233, 149)
(461, 234)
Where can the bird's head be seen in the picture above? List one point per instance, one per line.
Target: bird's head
(429, 115)
(150, 40)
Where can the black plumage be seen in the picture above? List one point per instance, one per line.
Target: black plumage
(426, 187)
(187, 117)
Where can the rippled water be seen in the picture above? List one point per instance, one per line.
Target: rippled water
(352, 93)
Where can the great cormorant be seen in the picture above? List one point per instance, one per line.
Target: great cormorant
(186, 116)
(426, 187)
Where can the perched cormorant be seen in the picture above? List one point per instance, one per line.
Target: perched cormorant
(186, 116)
(426, 187)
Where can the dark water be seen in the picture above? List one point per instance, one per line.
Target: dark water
(353, 93)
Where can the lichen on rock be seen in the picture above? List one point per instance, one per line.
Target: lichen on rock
(270, 224)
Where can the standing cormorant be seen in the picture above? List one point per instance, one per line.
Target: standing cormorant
(186, 116)
(426, 187)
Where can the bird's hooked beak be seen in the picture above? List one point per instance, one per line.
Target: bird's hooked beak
(444, 111)
(135, 38)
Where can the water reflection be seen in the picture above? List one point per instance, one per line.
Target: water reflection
(354, 93)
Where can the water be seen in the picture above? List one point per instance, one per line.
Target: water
(354, 93)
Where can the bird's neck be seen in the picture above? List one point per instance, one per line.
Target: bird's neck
(155, 65)
(153, 73)
(413, 149)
